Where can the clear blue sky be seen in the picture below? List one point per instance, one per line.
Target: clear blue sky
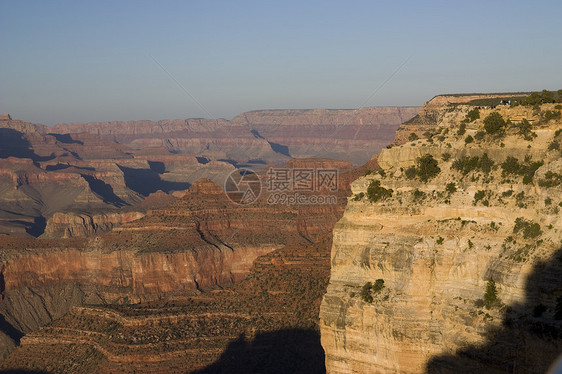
(67, 61)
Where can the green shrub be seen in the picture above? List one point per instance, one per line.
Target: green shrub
(412, 137)
(376, 192)
(462, 129)
(550, 115)
(369, 289)
(419, 195)
(468, 139)
(527, 169)
(491, 298)
(479, 196)
(551, 179)
(554, 146)
(451, 187)
(427, 168)
(446, 156)
(358, 196)
(472, 115)
(467, 164)
(479, 135)
(537, 98)
(410, 172)
(530, 229)
(525, 130)
(440, 240)
(494, 123)
(485, 163)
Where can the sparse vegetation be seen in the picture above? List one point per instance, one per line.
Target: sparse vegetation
(554, 146)
(446, 156)
(479, 135)
(376, 192)
(469, 139)
(511, 166)
(550, 115)
(467, 164)
(529, 229)
(551, 179)
(494, 124)
(462, 129)
(369, 289)
(525, 130)
(427, 168)
(481, 194)
(419, 195)
(491, 299)
(543, 97)
(358, 196)
(413, 137)
(451, 188)
(472, 115)
(410, 172)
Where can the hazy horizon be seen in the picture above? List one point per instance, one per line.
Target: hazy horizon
(69, 62)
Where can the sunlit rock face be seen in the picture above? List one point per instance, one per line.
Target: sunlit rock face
(442, 245)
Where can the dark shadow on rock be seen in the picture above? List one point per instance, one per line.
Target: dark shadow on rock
(147, 181)
(530, 338)
(8, 329)
(66, 166)
(14, 144)
(202, 160)
(277, 352)
(65, 139)
(157, 166)
(104, 190)
(38, 227)
(280, 148)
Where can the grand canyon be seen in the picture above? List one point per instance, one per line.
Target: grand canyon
(439, 250)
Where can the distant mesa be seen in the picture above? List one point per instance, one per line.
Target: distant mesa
(5, 117)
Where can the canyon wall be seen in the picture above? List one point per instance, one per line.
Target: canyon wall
(270, 136)
(454, 269)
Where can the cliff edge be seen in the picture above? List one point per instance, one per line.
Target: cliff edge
(448, 259)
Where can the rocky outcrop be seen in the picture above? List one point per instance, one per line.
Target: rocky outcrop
(453, 272)
(66, 225)
(449, 110)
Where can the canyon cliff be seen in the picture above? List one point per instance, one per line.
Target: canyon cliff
(267, 136)
(449, 259)
(169, 268)
(56, 180)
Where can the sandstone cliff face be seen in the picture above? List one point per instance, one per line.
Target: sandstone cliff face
(438, 251)
(66, 225)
